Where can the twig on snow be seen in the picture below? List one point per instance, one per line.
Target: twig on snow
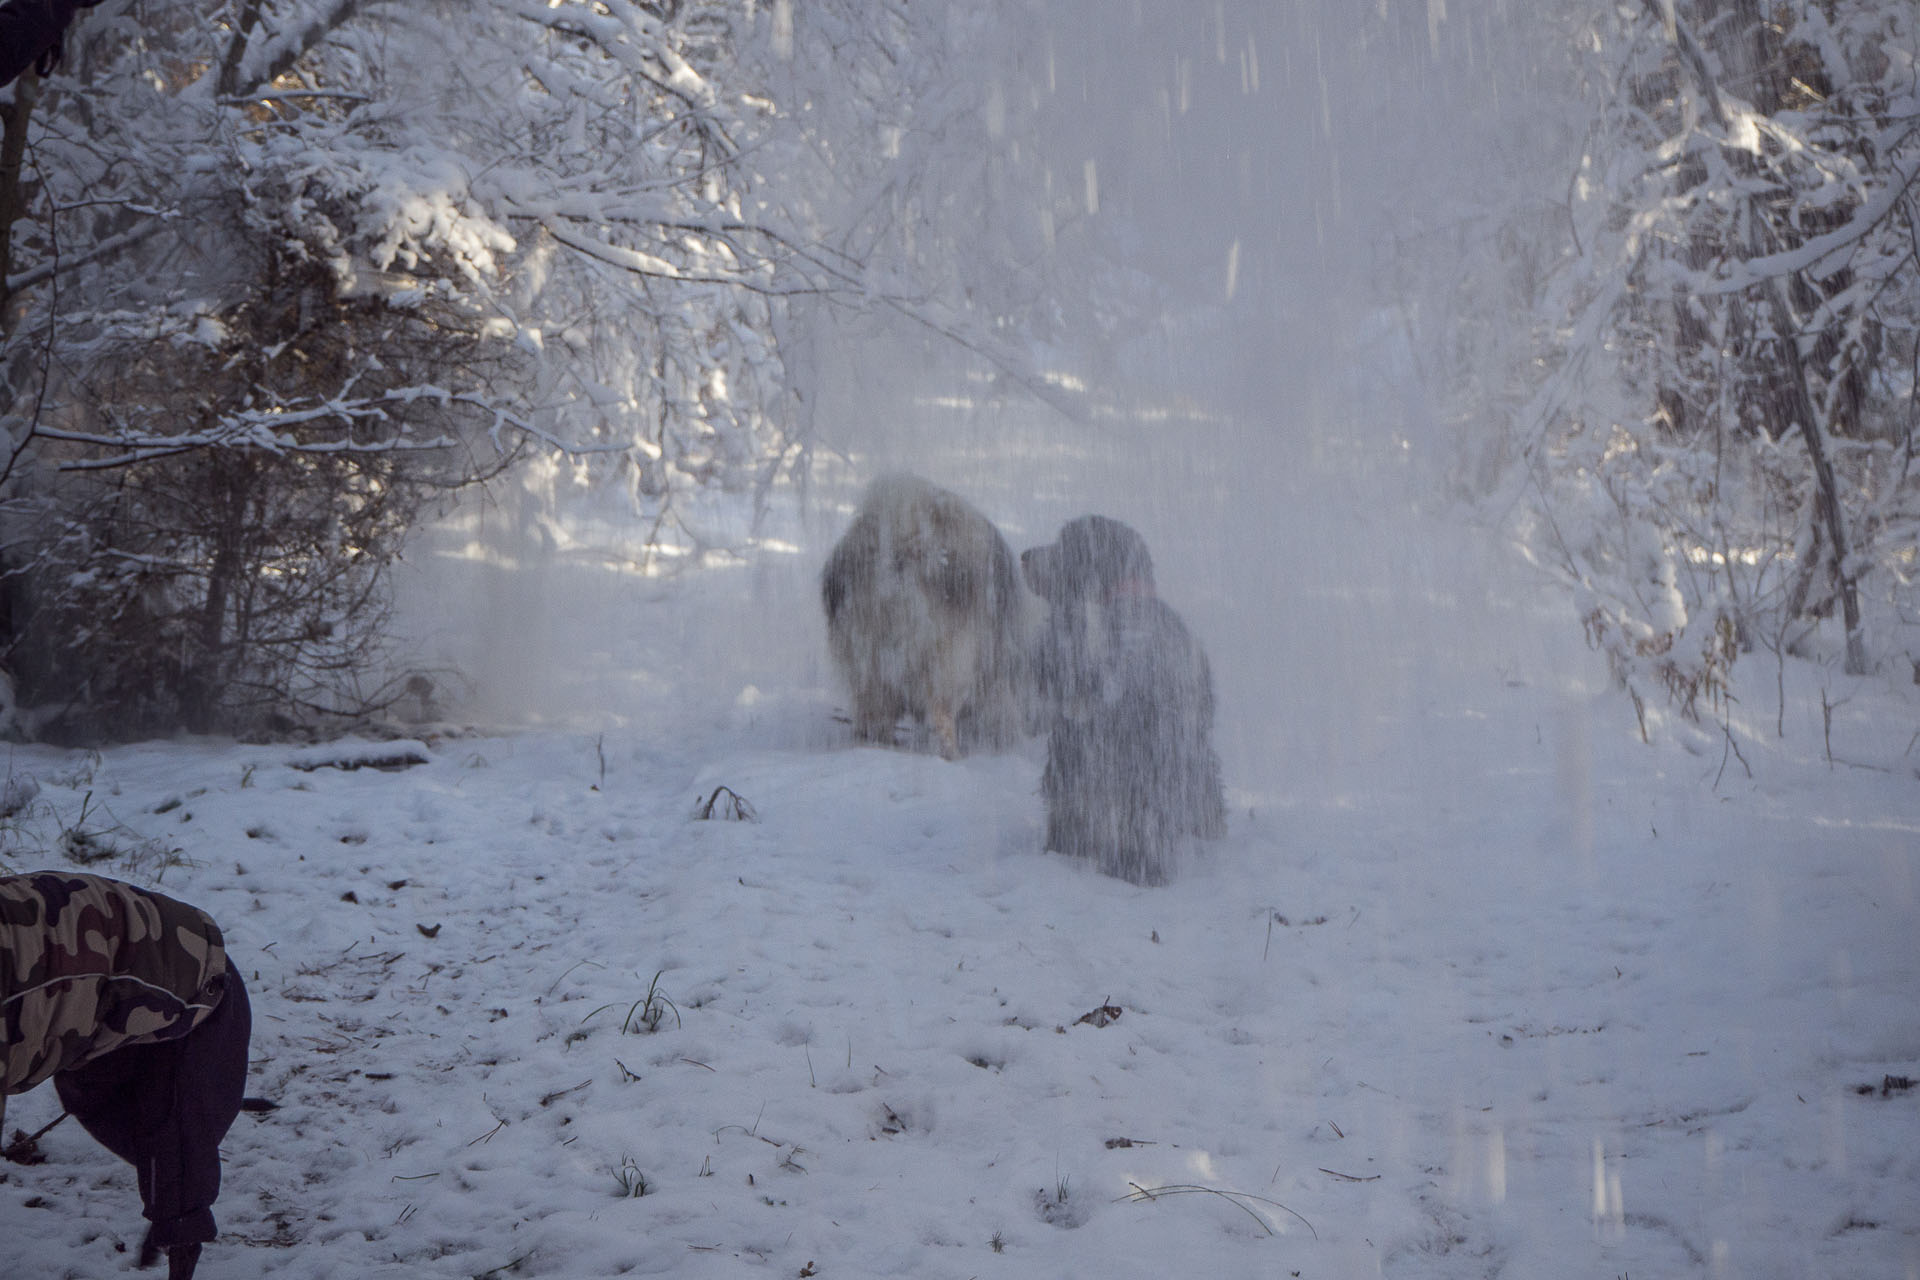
(1348, 1177)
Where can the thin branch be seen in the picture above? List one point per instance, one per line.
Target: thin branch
(105, 248)
(267, 431)
(278, 95)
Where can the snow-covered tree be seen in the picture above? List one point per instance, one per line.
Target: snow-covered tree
(1716, 447)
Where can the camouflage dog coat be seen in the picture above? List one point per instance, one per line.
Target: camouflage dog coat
(89, 965)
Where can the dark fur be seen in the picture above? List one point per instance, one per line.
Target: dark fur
(924, 611)
(1131, 773)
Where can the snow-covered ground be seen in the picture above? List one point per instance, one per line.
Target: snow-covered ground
(1477, 985)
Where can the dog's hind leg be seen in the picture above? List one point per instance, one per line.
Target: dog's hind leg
(951, 671)
(945, 720)
(875, 712)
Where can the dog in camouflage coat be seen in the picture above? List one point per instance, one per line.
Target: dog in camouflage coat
(124, 999)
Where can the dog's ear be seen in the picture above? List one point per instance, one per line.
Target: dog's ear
(834, 587)
(849, 570)
(1040, 566)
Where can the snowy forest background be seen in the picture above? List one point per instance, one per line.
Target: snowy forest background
(440, 412)
(1635, 286)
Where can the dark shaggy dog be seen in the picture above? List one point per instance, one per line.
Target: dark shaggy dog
(924, 617)
(1131, 771)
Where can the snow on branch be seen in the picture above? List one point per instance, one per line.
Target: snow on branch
(1814, 256)
(276, 431)
(628, 36)
(251, 66)
(633, 260)
(106, 248)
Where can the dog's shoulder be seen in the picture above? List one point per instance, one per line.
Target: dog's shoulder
(1164, 663)
(1150, 626)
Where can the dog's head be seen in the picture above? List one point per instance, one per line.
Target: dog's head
(1094, 558)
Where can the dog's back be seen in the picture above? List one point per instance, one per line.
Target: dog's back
(923, 616)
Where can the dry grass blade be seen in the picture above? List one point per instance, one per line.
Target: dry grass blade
(737, 808)
(1140, 1195)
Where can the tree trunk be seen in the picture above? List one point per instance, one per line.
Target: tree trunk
(229, 83)
(1826, 495)
(13, 146)
(229, 484)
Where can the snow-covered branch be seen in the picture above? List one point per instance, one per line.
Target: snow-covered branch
(1816, 256)
(106, 248)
